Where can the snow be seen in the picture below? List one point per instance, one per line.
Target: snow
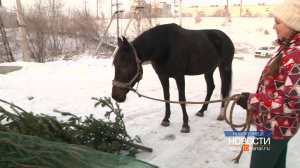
(70, 85)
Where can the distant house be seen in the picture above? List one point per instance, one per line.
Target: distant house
(162, 9)
(260, 10)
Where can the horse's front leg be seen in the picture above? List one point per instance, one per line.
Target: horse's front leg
(165, 84)
(181, 91)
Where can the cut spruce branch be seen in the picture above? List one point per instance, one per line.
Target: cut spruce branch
(108, 136)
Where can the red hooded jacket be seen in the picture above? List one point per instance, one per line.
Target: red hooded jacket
(276, 104)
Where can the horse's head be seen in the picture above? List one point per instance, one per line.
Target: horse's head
(128, 70)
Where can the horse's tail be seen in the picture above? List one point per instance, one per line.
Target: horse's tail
(225, 66)
(225, 69)
(227, 46)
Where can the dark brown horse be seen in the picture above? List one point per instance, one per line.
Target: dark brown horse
(175, 52)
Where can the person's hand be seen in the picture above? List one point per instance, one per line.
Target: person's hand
(242, 101)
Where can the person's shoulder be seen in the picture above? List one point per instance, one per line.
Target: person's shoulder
(294, 53)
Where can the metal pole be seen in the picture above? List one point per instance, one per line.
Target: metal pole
(241, 7)
(111, 8)
(22, 28)
(180, 16)
(227, 10)
(105, 32)
(117, 18)
(85, 2)
(97, 9)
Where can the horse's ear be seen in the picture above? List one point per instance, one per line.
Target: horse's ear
(125, 42)
(120, 42)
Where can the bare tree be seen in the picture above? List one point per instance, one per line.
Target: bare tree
(5, 51)
(56, 33)
(46, 29)
(85, 29)
(37, 31)
(56, 28)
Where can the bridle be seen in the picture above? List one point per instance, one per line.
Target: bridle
(139, 73)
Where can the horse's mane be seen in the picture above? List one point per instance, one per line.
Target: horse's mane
(156, 41)
(158, 33)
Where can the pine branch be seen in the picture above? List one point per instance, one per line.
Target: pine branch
(105, 136)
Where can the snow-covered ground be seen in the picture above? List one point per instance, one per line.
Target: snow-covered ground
(69, 86)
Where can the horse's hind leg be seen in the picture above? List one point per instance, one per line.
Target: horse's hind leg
(181, 91)
(226, 79)
(165, 84)
(210, 85)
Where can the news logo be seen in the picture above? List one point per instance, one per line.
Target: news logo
(249, 140)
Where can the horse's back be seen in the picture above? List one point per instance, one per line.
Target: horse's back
(174, 36)
(210, 38)
(202, 50)
(174, 49)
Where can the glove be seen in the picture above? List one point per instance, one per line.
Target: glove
(242, 101)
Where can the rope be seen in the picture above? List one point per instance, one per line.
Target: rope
(182, 102)
(244, 126)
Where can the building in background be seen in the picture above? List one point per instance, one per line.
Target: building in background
(172, 9)
(260, 10)
(162, 9)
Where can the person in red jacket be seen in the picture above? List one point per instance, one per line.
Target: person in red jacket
(276, 104)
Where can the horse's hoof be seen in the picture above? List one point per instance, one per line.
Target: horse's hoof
(185, 129)
(200, 114)
(165, 123)
(220, 118)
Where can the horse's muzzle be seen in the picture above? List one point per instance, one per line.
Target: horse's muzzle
(119, 94)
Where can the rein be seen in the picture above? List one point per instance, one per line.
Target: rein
(229, 120)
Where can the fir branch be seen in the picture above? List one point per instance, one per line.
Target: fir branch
(109, 136)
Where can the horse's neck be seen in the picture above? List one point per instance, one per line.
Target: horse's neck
(146, 52)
